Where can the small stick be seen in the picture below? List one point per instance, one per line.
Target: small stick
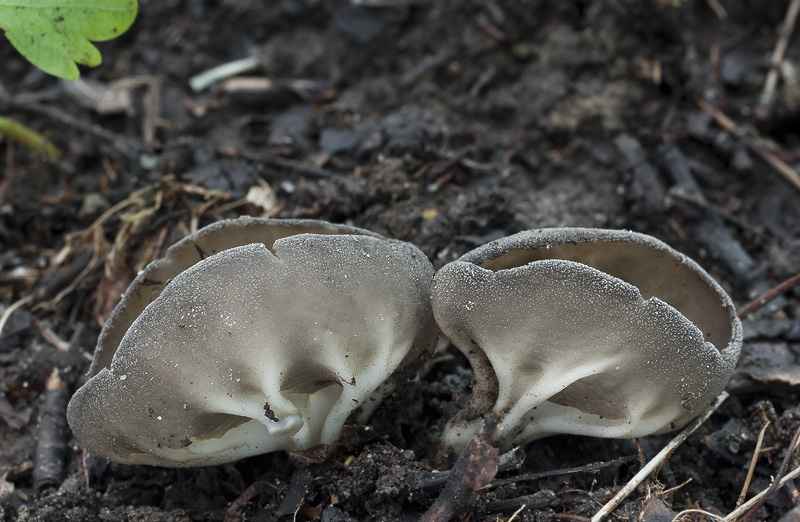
(51, 444)
(718, 8)
(675, 488)
(658, 460)
(517, 512)
(588, 468)
(749, 477)
(787, 27)
(754, 143)
(715, 67)
(683, 195)
(153, 100)
(768, 296)
(298, 167)
(10, 310)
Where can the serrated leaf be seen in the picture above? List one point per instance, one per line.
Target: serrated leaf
(54, 35)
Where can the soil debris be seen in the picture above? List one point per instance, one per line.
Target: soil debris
(446, 124)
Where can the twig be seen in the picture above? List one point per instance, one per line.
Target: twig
(292, 165)
(715, 67)
(718, 8)
(204, 80)
(588, 468)
(734, 515)
(152, 103)
(657, 461)
(682, 194)
(753, 461)
(10, 310)
(750, 507)
(753, 142)
(517, 512)
(51, 337)
(768, 296)
(761, 110)
(675, 488)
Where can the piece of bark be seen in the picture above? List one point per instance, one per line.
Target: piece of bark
(474, 469)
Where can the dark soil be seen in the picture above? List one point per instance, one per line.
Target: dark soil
(447, 124)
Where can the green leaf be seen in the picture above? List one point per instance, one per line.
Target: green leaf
(55, 34)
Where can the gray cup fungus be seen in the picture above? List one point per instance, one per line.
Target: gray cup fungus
(591, 332)
(269, 343)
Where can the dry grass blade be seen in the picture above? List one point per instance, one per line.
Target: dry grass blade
(679, 516)
(657, 461)
(675, 488)
(517, 512)
(768, 296)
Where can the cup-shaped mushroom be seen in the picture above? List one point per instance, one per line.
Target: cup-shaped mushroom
(583, 331)
(265, 346)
